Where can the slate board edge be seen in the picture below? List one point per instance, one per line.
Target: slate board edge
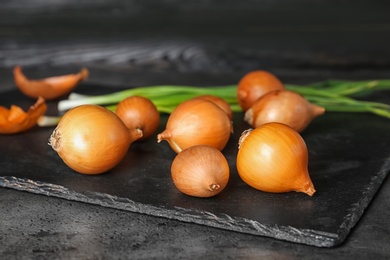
(368, 194)
(222, 221)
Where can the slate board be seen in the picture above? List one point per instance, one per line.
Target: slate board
(349, 158)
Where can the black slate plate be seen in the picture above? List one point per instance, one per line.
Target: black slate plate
(348, 161)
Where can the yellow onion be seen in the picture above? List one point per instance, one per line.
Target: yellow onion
(255, 84)
(200, 171)
(91, 139)
(222, 103)
(274, 158)
(139, 113)
(196, 122)
(283, 106)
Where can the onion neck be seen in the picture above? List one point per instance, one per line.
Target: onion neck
(135, 134)
(317, 110)
(310, 191)
(168, 137)
(307, 188)
(243, 136)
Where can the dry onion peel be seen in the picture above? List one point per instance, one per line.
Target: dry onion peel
(15, 120)
(90, 139)
(274, 158)
(200, 171)
(49, 88)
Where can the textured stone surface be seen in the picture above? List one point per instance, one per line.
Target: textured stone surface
(346, 169)
(41, 227)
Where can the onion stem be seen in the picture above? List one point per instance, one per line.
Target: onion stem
(48, 120)
(333, 95)
(164, 92)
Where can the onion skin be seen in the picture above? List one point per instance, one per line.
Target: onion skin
(15, 120)
(274, 158)
(48, 88)
(219, 102)
(200, 171)
(139, 113)
(90, 139)
(254, 85)
(283, 106)
(197, 122)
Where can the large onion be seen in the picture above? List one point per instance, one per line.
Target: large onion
(274, 158)
(90, 139)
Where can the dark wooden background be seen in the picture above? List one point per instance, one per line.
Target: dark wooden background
(299, 40)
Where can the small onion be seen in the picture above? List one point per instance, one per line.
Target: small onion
(223, 104)
(200, 171)
(274, 158)
(197, 122)
(139, 113)
(90, 139)
(255, 84)
(283, 106)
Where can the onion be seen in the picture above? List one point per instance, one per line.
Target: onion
(197, 122)
(255, 84)
(283, 106)
(222, 103)
(139, 113)
(274, 158)
(200, 171)
(91, 139)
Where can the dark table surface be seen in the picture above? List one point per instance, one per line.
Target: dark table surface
(196, 43)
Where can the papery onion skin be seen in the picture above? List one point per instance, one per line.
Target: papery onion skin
(197, 122)
(139, 113)
(90, 139)
(15, 120)
(283, 106)
(219, 102)
(255, 84)
(48, 88)
(274, 158)
(200, 171)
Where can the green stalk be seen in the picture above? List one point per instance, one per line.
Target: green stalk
(328, 83)
(352, 106)
(309, 91)
(153, 93)
(333, 95)
(48, 120)
(351, 88)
